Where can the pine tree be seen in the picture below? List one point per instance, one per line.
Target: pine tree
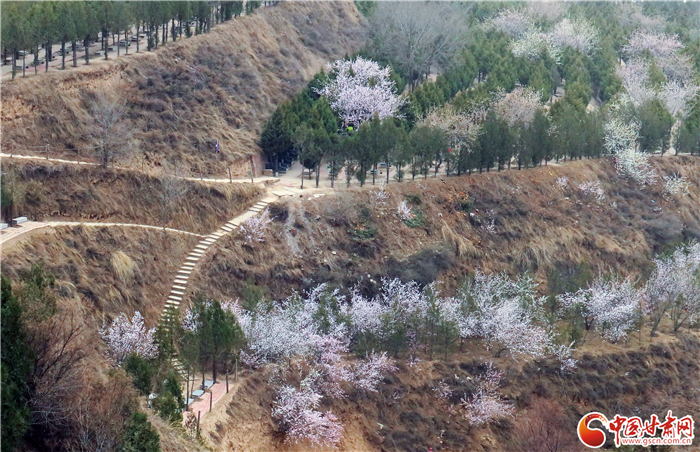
(140, 436)
(16, 362)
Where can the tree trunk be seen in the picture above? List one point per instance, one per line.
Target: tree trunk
(86, 43)
(374, 173)
(47, 53)
(63, 55)
(213, 363)
(318, 173)
(75, 54)
(118, 36)
(24, 64)
(138, 38)
(14, 65)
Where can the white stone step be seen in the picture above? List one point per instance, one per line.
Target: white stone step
(180, 282)
(179, 287)
(227, 228)
(174, 298)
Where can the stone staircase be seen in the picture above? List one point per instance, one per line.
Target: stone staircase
(171, 310)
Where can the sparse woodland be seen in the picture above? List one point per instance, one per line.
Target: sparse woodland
(527, 257)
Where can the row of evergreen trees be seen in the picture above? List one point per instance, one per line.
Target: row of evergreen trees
(28, 25)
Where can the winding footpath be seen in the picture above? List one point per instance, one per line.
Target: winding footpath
(11, 235)
(256, 180)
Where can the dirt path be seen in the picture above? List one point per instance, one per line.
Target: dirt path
(260, 179)
(11, 236)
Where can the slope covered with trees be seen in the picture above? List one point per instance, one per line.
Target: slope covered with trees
(177, 102)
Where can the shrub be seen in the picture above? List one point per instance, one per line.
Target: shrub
(167, 407)
(363, 231)
(141, 372)
(413, 199)
(140, 436)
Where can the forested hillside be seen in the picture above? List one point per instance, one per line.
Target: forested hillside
(168, 108)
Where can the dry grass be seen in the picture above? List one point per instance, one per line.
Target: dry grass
(463, 247)
(94, 268)
(519, 221)
(123, 266)
(83, 193)
(405, 415)
(182, 98)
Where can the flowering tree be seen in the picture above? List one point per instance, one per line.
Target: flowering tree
(296, 411)
(665, 51)
(533, 43)
(635, 79)
(486, 404)
(404, 211)
(329, 372)
(368, 373)
(676, 95)
(612, 307)
(502, 312)
(359, 89)
(517, 107)
(461, 129)
(593, 189)
(578, 34)
(676, 185)
(124, 337)
(254, 228)
(621, 140)
(674, 288)
(515, 24)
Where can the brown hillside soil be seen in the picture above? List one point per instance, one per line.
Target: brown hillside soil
(514, 221)
(405, 414)
(49, 191)
(88, 283)
(221, 86)
(90, 290)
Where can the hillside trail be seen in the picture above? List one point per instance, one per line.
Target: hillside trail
(11, 236)
(171, 309)
(259, 179)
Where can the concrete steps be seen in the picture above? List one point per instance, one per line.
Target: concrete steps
(171, 310)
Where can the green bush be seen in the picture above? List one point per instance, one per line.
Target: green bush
(140, 436)
(141, 371)
(168, 407)
(417, 220)
(363, 231)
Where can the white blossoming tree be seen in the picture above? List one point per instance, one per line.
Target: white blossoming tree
(674, 288)
(514, 23)
(486, 404)
(124, 337)
(611, 307)
(254, 228)
(358, 89)
(296, 411)
(577, 34)
(502, 313)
